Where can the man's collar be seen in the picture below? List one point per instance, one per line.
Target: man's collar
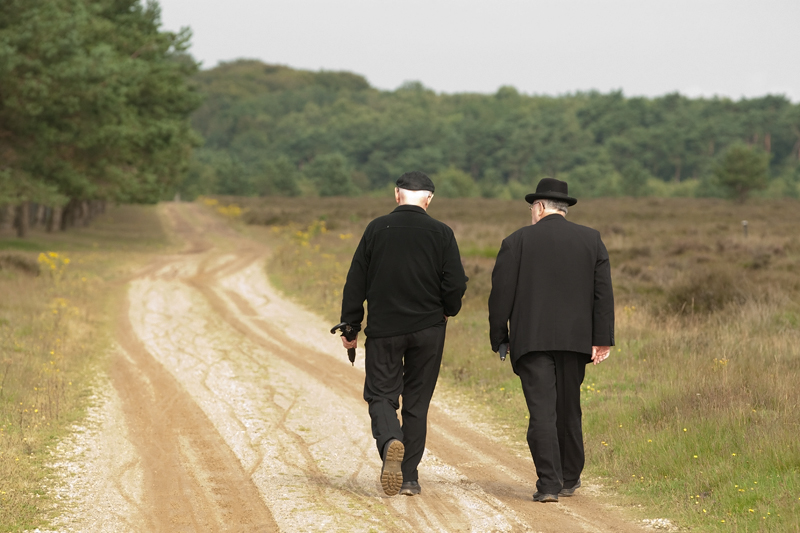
(409, 207)
(554, 216)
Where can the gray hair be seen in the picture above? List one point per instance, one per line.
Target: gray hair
(555, 205)
(414, 197)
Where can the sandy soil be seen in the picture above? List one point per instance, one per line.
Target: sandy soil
(229, 408)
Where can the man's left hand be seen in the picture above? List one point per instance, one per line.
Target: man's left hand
(600, 354)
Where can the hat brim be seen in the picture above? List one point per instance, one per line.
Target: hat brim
(530, 198)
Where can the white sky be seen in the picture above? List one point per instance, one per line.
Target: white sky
(730, 48)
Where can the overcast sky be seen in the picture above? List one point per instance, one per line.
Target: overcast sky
(730, 48)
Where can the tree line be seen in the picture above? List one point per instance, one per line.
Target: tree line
(98, 104)
(94, 107)
(270, 129)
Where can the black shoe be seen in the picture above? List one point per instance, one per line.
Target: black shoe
(391, 473)
(545, 498)
(410, 488)
(570, 491)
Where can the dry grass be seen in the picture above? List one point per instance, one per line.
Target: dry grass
(56, 290)
(697, 413)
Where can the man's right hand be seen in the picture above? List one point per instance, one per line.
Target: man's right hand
(503, 350)
(350, 344)
(600, 353)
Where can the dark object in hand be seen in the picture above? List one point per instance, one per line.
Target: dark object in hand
(348, 332)
(503, 351)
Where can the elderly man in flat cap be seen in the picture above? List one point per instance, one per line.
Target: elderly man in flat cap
(552, 283)
(408, 269)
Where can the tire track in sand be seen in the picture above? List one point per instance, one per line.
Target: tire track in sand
(188, 339)
(182, 339)
(482, 473)
(244, 415)
(192, 481)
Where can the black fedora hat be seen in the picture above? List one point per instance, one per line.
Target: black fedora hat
(551, 189)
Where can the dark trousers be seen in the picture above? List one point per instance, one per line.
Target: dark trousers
(551, 382)
(408, 365)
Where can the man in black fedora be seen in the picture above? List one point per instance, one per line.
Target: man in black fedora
(408, 269)
(552, 284)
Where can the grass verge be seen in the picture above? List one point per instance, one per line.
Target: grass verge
(696, 415)
(57, 290)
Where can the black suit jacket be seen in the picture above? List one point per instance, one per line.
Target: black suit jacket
(552, 282)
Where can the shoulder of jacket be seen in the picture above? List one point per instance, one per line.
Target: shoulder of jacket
(444, 227)
(521, 232)
(381, 220)
(516, 238)
(431, 223)
(581, 228)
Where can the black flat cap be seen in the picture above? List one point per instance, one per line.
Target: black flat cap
(415, 181)
(551, 189)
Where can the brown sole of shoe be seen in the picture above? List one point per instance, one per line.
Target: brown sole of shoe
(392, 473)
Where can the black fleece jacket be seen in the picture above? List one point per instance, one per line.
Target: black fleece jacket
(408, 269)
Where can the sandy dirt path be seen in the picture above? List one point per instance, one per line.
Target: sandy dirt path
(229, 408)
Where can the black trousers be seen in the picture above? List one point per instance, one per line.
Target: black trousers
(551, 382)
(408, 365)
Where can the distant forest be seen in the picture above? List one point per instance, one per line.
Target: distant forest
(273, 130)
